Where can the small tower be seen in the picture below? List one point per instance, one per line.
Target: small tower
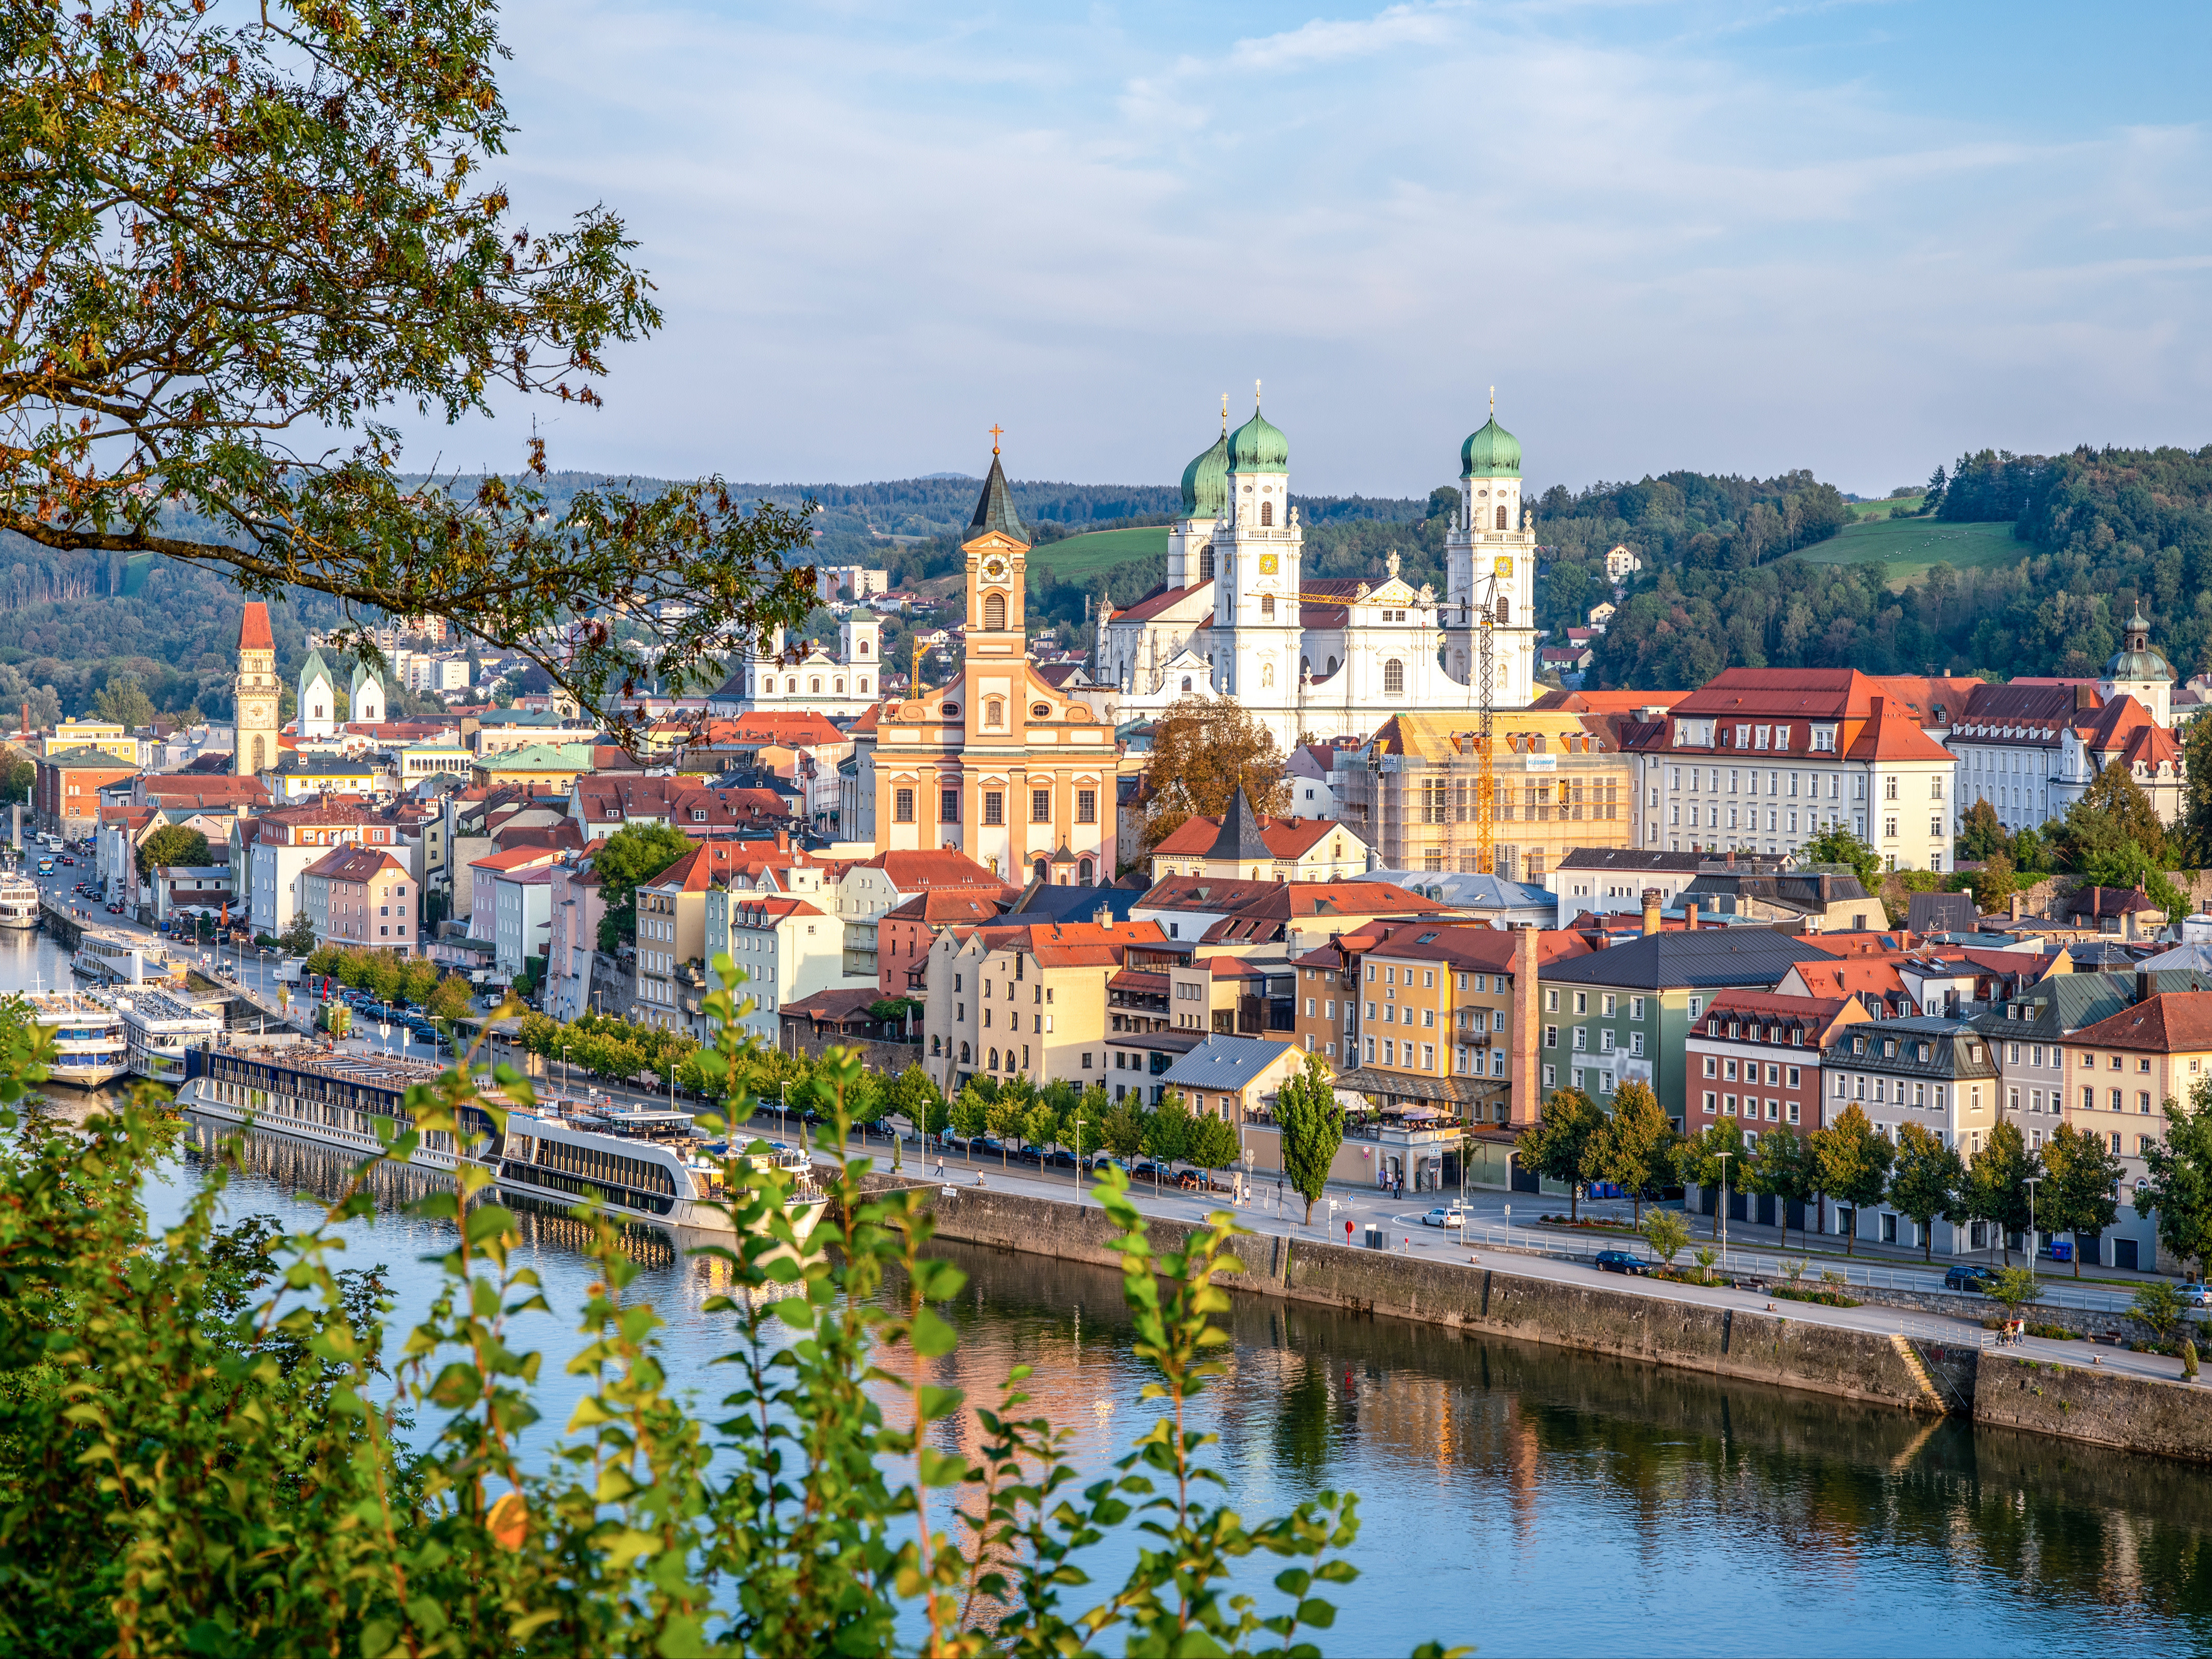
(859, 644)
(998, 550)
(318, 704)
(366, 698)
(1490, 561)
(1204, 503)
(256, 691)
(2140, 671)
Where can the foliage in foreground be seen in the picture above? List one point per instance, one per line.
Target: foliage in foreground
(201, 1436)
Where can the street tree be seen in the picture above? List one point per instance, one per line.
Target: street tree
(1854, 1165)
(971, 1116)
(1786, 1171)
(1667, 1232)
(1167, 1133)
(1312, 1120)
(1925, 1181)
(173, 846)
(2178, 1188)
(1213, 1143)
(1007, 1117)
(1997, 1184)
(1557, 1144)
(1204, 750)
(2081, 1187)
(299, 939)
(266, 241)
(1634, 1147)
(451, 1000)
(914, 1095)
(634, 853)
(1121, 1130)
(1713, 1157)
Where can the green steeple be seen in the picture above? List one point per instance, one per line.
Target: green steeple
(1492, 452)
(1257, 446)
(1205, 480)
(994, 509)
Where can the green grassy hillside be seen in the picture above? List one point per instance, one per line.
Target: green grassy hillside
(1911, 547)
(1082, 557)
(1861, 510)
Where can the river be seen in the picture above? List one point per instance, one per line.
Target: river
(1519, 1498)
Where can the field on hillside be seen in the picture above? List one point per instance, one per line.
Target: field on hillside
(1101, 550)
(1910, 547)
(1862, 510)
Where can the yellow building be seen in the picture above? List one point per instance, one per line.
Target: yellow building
(108, 737)
(1560, 780)
(999, 765)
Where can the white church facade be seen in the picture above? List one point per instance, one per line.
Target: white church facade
(1322, 659)
(806, 677)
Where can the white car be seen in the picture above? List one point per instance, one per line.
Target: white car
(1444, 1215)
(2196, 1295)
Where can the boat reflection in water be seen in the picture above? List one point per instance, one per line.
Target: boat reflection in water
(645, 1165)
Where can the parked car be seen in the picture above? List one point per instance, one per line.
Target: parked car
(1444, 1215)
(1620, 1261)
(1969, 1277)
(2196, 1295)
(1146, 1169)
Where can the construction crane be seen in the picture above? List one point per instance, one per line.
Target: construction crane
(1486, 795)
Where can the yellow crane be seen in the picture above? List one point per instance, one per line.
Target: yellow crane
(1486, 794)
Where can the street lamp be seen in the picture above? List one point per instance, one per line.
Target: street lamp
(2030, 1181)
(1724, 1157)
(782, 1104)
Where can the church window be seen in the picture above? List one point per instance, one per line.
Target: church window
(1332, 665)
(864, 684)
(1083, 875)
(1306, 664)
(994, 712)
(790, 685)
(994, 806)
(948, 807)
(903, 806)
(1267, 604)
(994, 613)
(1267, 512)
(1504, 611)
(1186, 682)
(1394, 679)
(1040, 806)
(1041, 711)
(814, 686)
(839, 688)
(1501, 519)
(1043, 868)
(863, 650)
(1206, 562)
(1086, 806)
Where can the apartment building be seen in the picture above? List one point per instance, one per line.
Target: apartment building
(2122, 1071)
(862, 894)
(906, 933)
(1938, 1073)
(789, 949)
(1626, 1013)
(673, 942)
(361, 896)
(1560, 778)
(1760, 760)
(2029, 1032)
(1756, 1057)
(1611, 880)
(272, 850)
(575, 907)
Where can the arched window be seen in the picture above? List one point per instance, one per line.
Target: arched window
(1267, 512)
(814, 686)
(790, 685)
(1459, 666)
(1504, 611)
(966, 1055)
(1206, 562)
(1394, 679)
(839, 688)
(1332, 666)
(864, 684)
(1186, 682)
(994, 1065)
(1306, 664)
(1043, 868)
(261, 755)
(1501, 519)
(994, 613)
(864, 647)
(1267, 604)
(1083, 872)
(994, 712)
(936, 1047)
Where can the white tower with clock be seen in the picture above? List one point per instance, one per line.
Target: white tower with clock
(1490, 563)
(1258, 557)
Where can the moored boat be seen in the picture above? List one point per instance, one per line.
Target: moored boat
(19, 902)
(89, 1046)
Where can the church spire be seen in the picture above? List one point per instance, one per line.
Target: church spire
(994, 508)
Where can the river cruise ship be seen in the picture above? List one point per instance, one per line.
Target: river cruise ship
(649, 1166)
(111, 958)
(19, 901)
(159, 1030)
(89, 1048)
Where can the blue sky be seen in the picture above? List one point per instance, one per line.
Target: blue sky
(1855, 237)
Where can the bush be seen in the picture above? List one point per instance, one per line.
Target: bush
(1795, 1292)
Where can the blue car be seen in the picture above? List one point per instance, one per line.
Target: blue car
(1620, 1261)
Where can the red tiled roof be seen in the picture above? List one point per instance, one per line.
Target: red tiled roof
(1285, 838)
(515, 858)
(1891, 733)
(940, 907)
(1159, 599)
(2174, 1022)
(920, 869)
(253, 629)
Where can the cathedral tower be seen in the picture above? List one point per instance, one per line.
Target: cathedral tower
(255, 690)
(317, 706)
(998, 550)
(1489, 561)
(1258, 558)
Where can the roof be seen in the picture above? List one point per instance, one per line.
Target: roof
(2058, 1004)
(1633, 859)
(1244, 835)
(1225, 1063)
(540, 757)
(72, 760)
(1942, 913)
(2174, 1022)
(994, 508)
(2108, 902)
(1942, 1036)
(1495, 948)
(200, 789)
(1770, 1007)
(802, 729)
(354, 862)
(253, 633)
(1892, 733)
(1710, 956)
(2183, 958)
(514, 858)
(942, 907)
(1159, 599)
(835, 1007)
(1062, 903)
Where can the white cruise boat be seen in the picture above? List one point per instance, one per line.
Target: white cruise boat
(111, 958)
(19, 902)
(89, 1048)
(312, 1093)
(159, 1028)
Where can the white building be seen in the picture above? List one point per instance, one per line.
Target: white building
(831, 581)
(317, 708)
(805, 677)
(521, 917)
(1333, 656)
(1620, 564)
(788, 948)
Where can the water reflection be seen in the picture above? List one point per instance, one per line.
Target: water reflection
(1518, 1496)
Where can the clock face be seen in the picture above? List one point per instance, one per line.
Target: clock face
(994, 567)
(1268, 564)
(1506, 564)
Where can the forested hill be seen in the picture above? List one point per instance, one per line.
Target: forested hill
(2100, 532)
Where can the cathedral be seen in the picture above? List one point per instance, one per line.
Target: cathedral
(1318, 659)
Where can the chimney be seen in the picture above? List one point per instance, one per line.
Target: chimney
(1527, 1098)
(1651, 910)
(1690, 917)
(2143, 985)
(1103, 917)
(783, 840)
(2015, 906)
(2085, 697)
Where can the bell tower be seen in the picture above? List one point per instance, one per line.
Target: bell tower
(998, 550)
(256, 691)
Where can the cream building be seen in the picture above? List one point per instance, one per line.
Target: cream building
(1320, 657)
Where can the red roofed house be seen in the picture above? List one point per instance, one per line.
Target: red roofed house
(1756, 1057)
(483, 873)
(906, 932)
(363, 897)
(1761, 759)
(1242, 845)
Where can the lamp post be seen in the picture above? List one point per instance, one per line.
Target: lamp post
(782, 1104)
(1724, 1157)
(2030, 1181)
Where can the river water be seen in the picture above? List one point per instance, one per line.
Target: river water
(1519, 1498)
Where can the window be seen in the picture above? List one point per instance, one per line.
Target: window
(903, 806)
(994, 613)
(948, 807)
(1550, 1037)
(1086, 806)
(1394, 679)
(1502, 522)
(1711, 1103)
(1040, 806)
(1697, 1007)
(1267, 605)
(1267, 513)
(1551, 1002)
(1635, 1011)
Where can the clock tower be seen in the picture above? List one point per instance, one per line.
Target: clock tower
(255, 691)
(998, 550)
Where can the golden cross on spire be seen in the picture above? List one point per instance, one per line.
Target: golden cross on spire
(1256, 395)
(1493, 403)
(995, 432)
(1225, 414)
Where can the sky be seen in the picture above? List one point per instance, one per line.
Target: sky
(1859, 238)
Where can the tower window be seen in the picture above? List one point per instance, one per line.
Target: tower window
(903, 806)
(1394, 679)
(1206, 562)
(994, 613)
(1267, 513)
(864, 647)
(994, 712)
(1267, 604)
(1504, 611)
(1501, 519)
(994, 806)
